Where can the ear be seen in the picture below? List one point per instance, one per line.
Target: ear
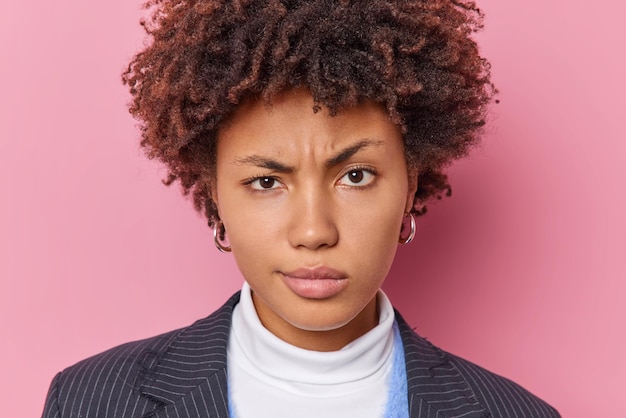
(413, 181)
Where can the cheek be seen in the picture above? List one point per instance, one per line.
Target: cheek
(253, 234)
(248, 219)
(372, 234)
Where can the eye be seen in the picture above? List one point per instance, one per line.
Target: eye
(359, 177)
(263, 183)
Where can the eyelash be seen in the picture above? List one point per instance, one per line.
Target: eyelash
(251, 180)
(369, 170)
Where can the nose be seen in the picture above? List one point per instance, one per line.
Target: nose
(312, 224)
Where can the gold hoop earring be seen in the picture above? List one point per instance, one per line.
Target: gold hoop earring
(411, 234)
(218, 233)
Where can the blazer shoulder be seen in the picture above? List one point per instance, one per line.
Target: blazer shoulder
(124, 355)
(147, 350)
(113, 383)
(443, 382)
(106, 380)
(502, 396)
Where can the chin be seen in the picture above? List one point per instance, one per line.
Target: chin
(319, 324)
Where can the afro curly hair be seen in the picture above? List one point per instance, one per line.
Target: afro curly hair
(416, 58)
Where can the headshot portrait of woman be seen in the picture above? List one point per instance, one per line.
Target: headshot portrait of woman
(310, 134)
(315, 140)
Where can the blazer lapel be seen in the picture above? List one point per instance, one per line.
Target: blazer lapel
(189, 378)
(208, 400)
(435, 386)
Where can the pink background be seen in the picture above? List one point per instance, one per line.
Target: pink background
(521, 271)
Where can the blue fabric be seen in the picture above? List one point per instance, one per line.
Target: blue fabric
(397, 401)
(231, 406)
(397, 398)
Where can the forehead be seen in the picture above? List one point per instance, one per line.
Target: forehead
(290, 123)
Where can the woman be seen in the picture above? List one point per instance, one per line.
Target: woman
(310, 133)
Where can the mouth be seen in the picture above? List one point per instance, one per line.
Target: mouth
(316, 283)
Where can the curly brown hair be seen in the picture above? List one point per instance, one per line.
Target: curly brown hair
(415, 57)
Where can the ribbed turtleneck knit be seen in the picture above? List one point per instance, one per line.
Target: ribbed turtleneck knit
(271, 378)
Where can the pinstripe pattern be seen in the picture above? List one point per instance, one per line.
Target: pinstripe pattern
(443, 385)
(182, 374)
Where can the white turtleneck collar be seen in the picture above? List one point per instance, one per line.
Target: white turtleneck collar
(269, 377)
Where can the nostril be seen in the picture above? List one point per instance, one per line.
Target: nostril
(313, 235)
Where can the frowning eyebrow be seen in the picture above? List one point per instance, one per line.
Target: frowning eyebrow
(264, 162)
(338, 158)
(346, 153)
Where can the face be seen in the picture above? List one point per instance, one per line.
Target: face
(312, 206)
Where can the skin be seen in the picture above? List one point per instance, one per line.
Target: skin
(298, 189)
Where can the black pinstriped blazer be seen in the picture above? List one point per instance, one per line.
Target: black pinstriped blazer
(183, 374)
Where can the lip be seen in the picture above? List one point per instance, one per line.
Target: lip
(315, 283)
